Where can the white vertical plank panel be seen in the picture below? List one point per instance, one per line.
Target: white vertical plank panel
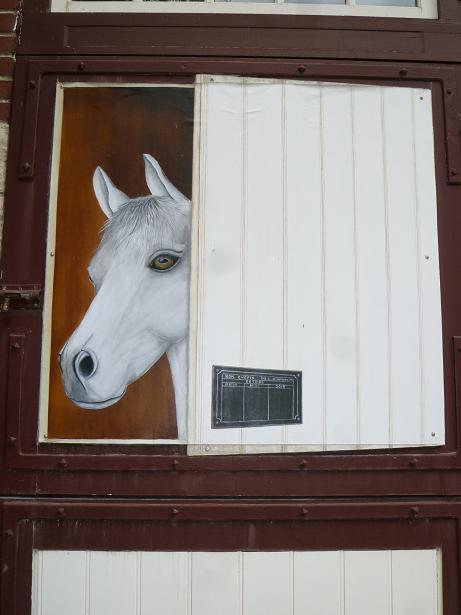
(371, 270)
(318, 584)
(367, 575)
(381, 582)
(405, 384)
(267, 586)
(216, 583)
(415, 583)
(164, 583)
(113, 583)
(433, 424)
(340, 297)
(304, 260)
(221, 225)
(327, 262)
(61, 582)
(264, 257)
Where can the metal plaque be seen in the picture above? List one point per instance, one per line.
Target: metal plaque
(245, 397)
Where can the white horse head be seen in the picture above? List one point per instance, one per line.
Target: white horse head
(140, 310)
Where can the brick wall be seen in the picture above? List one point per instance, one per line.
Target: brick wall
(9, 10)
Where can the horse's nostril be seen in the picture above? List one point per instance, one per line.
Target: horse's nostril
(84, 364)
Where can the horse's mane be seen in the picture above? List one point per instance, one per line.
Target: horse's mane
(145, 222)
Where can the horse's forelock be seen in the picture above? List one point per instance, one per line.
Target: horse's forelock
(143, 223)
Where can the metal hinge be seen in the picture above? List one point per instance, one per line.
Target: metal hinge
(20, 297)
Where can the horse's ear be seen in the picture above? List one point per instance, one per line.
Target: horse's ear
(158, 182)
(109, 197)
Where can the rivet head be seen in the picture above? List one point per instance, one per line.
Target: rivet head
(453, 172)
(9, 533)
(26, 167)
(174, 512)
(81, 66)
(413, 462)
(63, 463)
(12, 440)
(32, 85)
(60, 512)
(403, 72)
(304, 512)
(301, 69)
(303, 464)
(449, 91)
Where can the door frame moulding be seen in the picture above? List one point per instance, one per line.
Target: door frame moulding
(224, 526)
(28, 183)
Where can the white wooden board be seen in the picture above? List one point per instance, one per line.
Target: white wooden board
(316, 249)
(236, 583)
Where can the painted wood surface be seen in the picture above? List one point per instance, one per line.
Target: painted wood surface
(316, 250)
(236, 583)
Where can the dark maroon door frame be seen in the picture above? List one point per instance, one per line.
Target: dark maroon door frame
(81, 469)
(223, 526)
(401, 499)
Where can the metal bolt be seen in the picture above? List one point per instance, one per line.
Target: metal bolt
(12, 441)
(301, 69)
(51, 253)
(5, 568)
(304, 512)
(413, 462)
(453, 172)
(63, 463)
(32, 85)
(26, 167)
(433, 434)
(174, 512)
(60, 512)
(174, 464)
(9, 533)
(414, 511)
(403, 72)
(81, 66)
(303, 464)
(207, 447)
(449, 91)
(16, 345)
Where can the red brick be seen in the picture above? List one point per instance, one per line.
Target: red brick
(9, 4)
(5, 111)
(5, 90)
(6, 67)
(7, 43)
(7, 21)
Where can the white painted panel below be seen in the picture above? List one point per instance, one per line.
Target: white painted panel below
(237, 583)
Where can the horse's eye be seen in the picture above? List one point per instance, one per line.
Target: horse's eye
(163, 262)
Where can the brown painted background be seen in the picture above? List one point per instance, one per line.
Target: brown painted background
(111, 127)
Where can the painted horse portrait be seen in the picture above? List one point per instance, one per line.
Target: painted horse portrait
(140, 272)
